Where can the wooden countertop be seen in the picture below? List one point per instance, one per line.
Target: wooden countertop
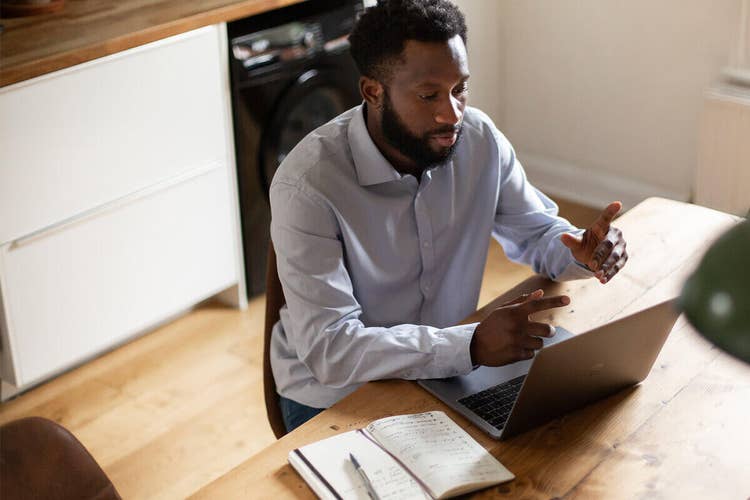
(88, 29)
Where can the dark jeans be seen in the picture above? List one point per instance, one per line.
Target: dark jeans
(296, 414)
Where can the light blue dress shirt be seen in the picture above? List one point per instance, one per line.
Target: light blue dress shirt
(378, 267)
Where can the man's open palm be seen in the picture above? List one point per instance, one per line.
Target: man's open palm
(601, 247)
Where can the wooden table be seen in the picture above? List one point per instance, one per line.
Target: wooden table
(683, 432)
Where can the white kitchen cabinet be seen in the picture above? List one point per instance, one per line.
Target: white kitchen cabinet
(118, 201)
(75, 139)
(74, 292)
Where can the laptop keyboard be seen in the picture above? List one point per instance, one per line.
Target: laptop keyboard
(494, 404)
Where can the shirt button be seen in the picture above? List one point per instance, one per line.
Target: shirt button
(426, 244)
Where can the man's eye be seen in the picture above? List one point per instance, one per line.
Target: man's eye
(461, 90)
(428, 97)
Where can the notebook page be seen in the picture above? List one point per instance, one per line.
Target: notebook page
(331, 458)
(439, 452)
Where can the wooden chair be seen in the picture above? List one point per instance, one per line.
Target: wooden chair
(274, 301)
(41, 459)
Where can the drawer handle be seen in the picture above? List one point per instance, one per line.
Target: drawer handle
(113, 204)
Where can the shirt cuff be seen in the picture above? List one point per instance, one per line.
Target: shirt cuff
(575, 271)
(453, 356)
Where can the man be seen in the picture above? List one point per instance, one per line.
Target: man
(381, 222)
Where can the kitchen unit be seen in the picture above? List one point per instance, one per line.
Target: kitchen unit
(118, 196)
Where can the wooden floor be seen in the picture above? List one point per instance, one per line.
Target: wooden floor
(169, 412)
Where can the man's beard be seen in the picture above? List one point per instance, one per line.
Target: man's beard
(413, 147)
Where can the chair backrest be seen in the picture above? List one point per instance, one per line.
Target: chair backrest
(274, 301)
(41, 459)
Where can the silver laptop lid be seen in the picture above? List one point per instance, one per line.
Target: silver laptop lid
(591, 366)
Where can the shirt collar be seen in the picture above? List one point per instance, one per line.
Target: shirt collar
(370, 164)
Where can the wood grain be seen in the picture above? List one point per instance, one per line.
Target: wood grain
(682, 433)
(88, 29)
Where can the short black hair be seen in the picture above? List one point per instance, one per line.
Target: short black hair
(379, 35)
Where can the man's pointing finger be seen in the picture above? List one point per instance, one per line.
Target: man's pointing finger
(534, 306)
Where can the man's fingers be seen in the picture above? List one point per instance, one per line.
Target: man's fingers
(534, 343)
(601, 224)
(608, 214)
(533, 306)
(525, 353)
(571, 241)
(610, 272)
(615, 254)
(536, 294)
(614, 270)
(601, 253)
(539, 329)
(604, 250)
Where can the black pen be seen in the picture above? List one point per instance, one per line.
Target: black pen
(365, 479)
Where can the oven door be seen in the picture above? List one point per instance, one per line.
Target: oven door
(313, 99)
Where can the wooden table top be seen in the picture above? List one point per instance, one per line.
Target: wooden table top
(88, 29)
(682, 433)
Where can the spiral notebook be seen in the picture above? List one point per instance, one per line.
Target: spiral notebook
(423, 455)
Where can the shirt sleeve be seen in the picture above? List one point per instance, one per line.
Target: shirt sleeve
(324, 315)
(527, 225)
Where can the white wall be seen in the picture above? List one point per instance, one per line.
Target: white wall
(486, 56)
(601, 98)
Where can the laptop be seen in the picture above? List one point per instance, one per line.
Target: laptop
(569, 372)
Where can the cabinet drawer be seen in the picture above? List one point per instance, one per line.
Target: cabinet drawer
(86, 135)
(72, 293)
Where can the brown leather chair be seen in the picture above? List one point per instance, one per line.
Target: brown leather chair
(274, 301)
(41, 459)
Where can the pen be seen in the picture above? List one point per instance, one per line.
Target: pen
(365, 479)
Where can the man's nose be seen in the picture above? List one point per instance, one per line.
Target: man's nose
(450, 111)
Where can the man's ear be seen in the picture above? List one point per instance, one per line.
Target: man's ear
(372, 91)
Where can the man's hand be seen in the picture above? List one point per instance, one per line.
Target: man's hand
(601, 247)
(507, 335)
